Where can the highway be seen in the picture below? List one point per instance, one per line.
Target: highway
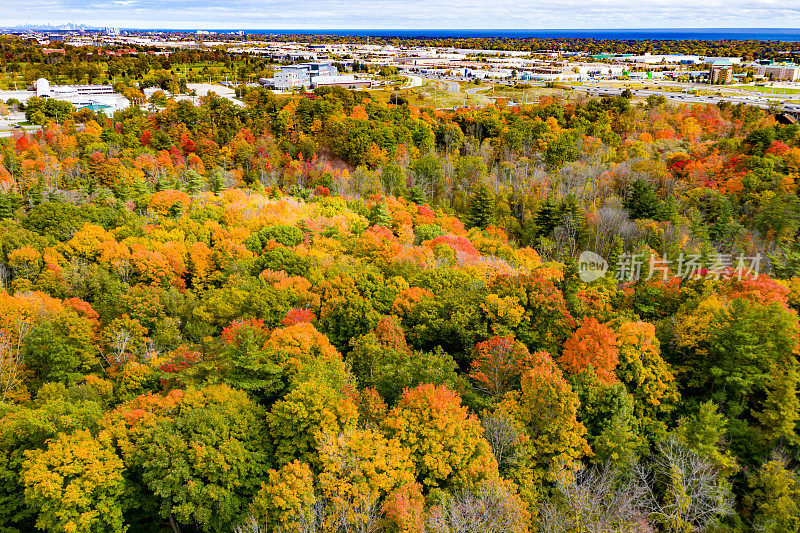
(671, 96)
(757, 101)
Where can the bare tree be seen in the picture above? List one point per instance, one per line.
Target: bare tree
(595, 500)
(489, 508)
(685, 491)
(12, 365)
(503, 437)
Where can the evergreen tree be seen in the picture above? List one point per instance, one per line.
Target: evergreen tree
(193, 182)
(139, 187)
(36, 194)
(5, 207)
(217, 181)
(379, 214)
(668, 211)
(615, 251)
(481, 206)
(548, 216)
(416, 195)
(641, 200)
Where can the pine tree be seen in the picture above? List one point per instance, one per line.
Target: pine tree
(193, 182)
(615, 251)
(379, 215)
(36, 194)
(5, 207)
(416, 195)
(481, 206)
(139, 187)
(218, 182)
(641, 200)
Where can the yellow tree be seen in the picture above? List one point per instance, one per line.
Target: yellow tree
(545, 409)
(75, 485)
(445, 441)
(643, 370)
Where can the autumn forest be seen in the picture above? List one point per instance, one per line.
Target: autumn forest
(326, 313)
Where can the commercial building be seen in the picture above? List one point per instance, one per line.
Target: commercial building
(301, 75)
(780, 71)
(347, 82)
(95, 97)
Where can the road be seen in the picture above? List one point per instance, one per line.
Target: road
(756, 101)
(413, 81)
(452, 86)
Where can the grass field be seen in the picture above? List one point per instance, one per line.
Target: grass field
(769, 90)
(432, 93)
(527, 95)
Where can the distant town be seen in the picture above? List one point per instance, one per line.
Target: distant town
(463, 76)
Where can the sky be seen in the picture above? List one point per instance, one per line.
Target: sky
(406, 14)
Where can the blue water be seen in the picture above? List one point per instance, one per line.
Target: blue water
(708, 34)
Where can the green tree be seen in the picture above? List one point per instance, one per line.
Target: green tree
(780, 411)
(194, 182)
(481, 206)
(746, 341)
(217, 181)
(704, 432)
(61, 349)
(205, 463)
(75, 485)
(774, 500)
(641, 200)
(379, 214)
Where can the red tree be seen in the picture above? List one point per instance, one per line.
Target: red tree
(592, 344)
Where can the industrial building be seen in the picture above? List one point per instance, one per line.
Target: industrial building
(347, 82)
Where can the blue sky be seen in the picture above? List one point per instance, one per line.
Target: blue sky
(445, 14)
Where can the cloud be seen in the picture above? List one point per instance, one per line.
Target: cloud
(405, 14)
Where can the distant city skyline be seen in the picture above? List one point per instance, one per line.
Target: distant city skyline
(403, 14)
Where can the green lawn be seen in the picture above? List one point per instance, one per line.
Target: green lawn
(769, 90)
(432, 93)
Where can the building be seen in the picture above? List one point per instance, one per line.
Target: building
(731, 60)
(780, 71)
(95, 97)
(300, 75)
(347, 82)
(721, 72)
(290, 78)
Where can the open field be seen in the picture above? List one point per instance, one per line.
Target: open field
(526, 94)
(431, 93)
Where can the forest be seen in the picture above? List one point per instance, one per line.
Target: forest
(323, 313)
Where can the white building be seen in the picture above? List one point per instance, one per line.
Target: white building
(347, 81)
(96, 97)
(288, 78)
(301, 75)
(781, 71)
